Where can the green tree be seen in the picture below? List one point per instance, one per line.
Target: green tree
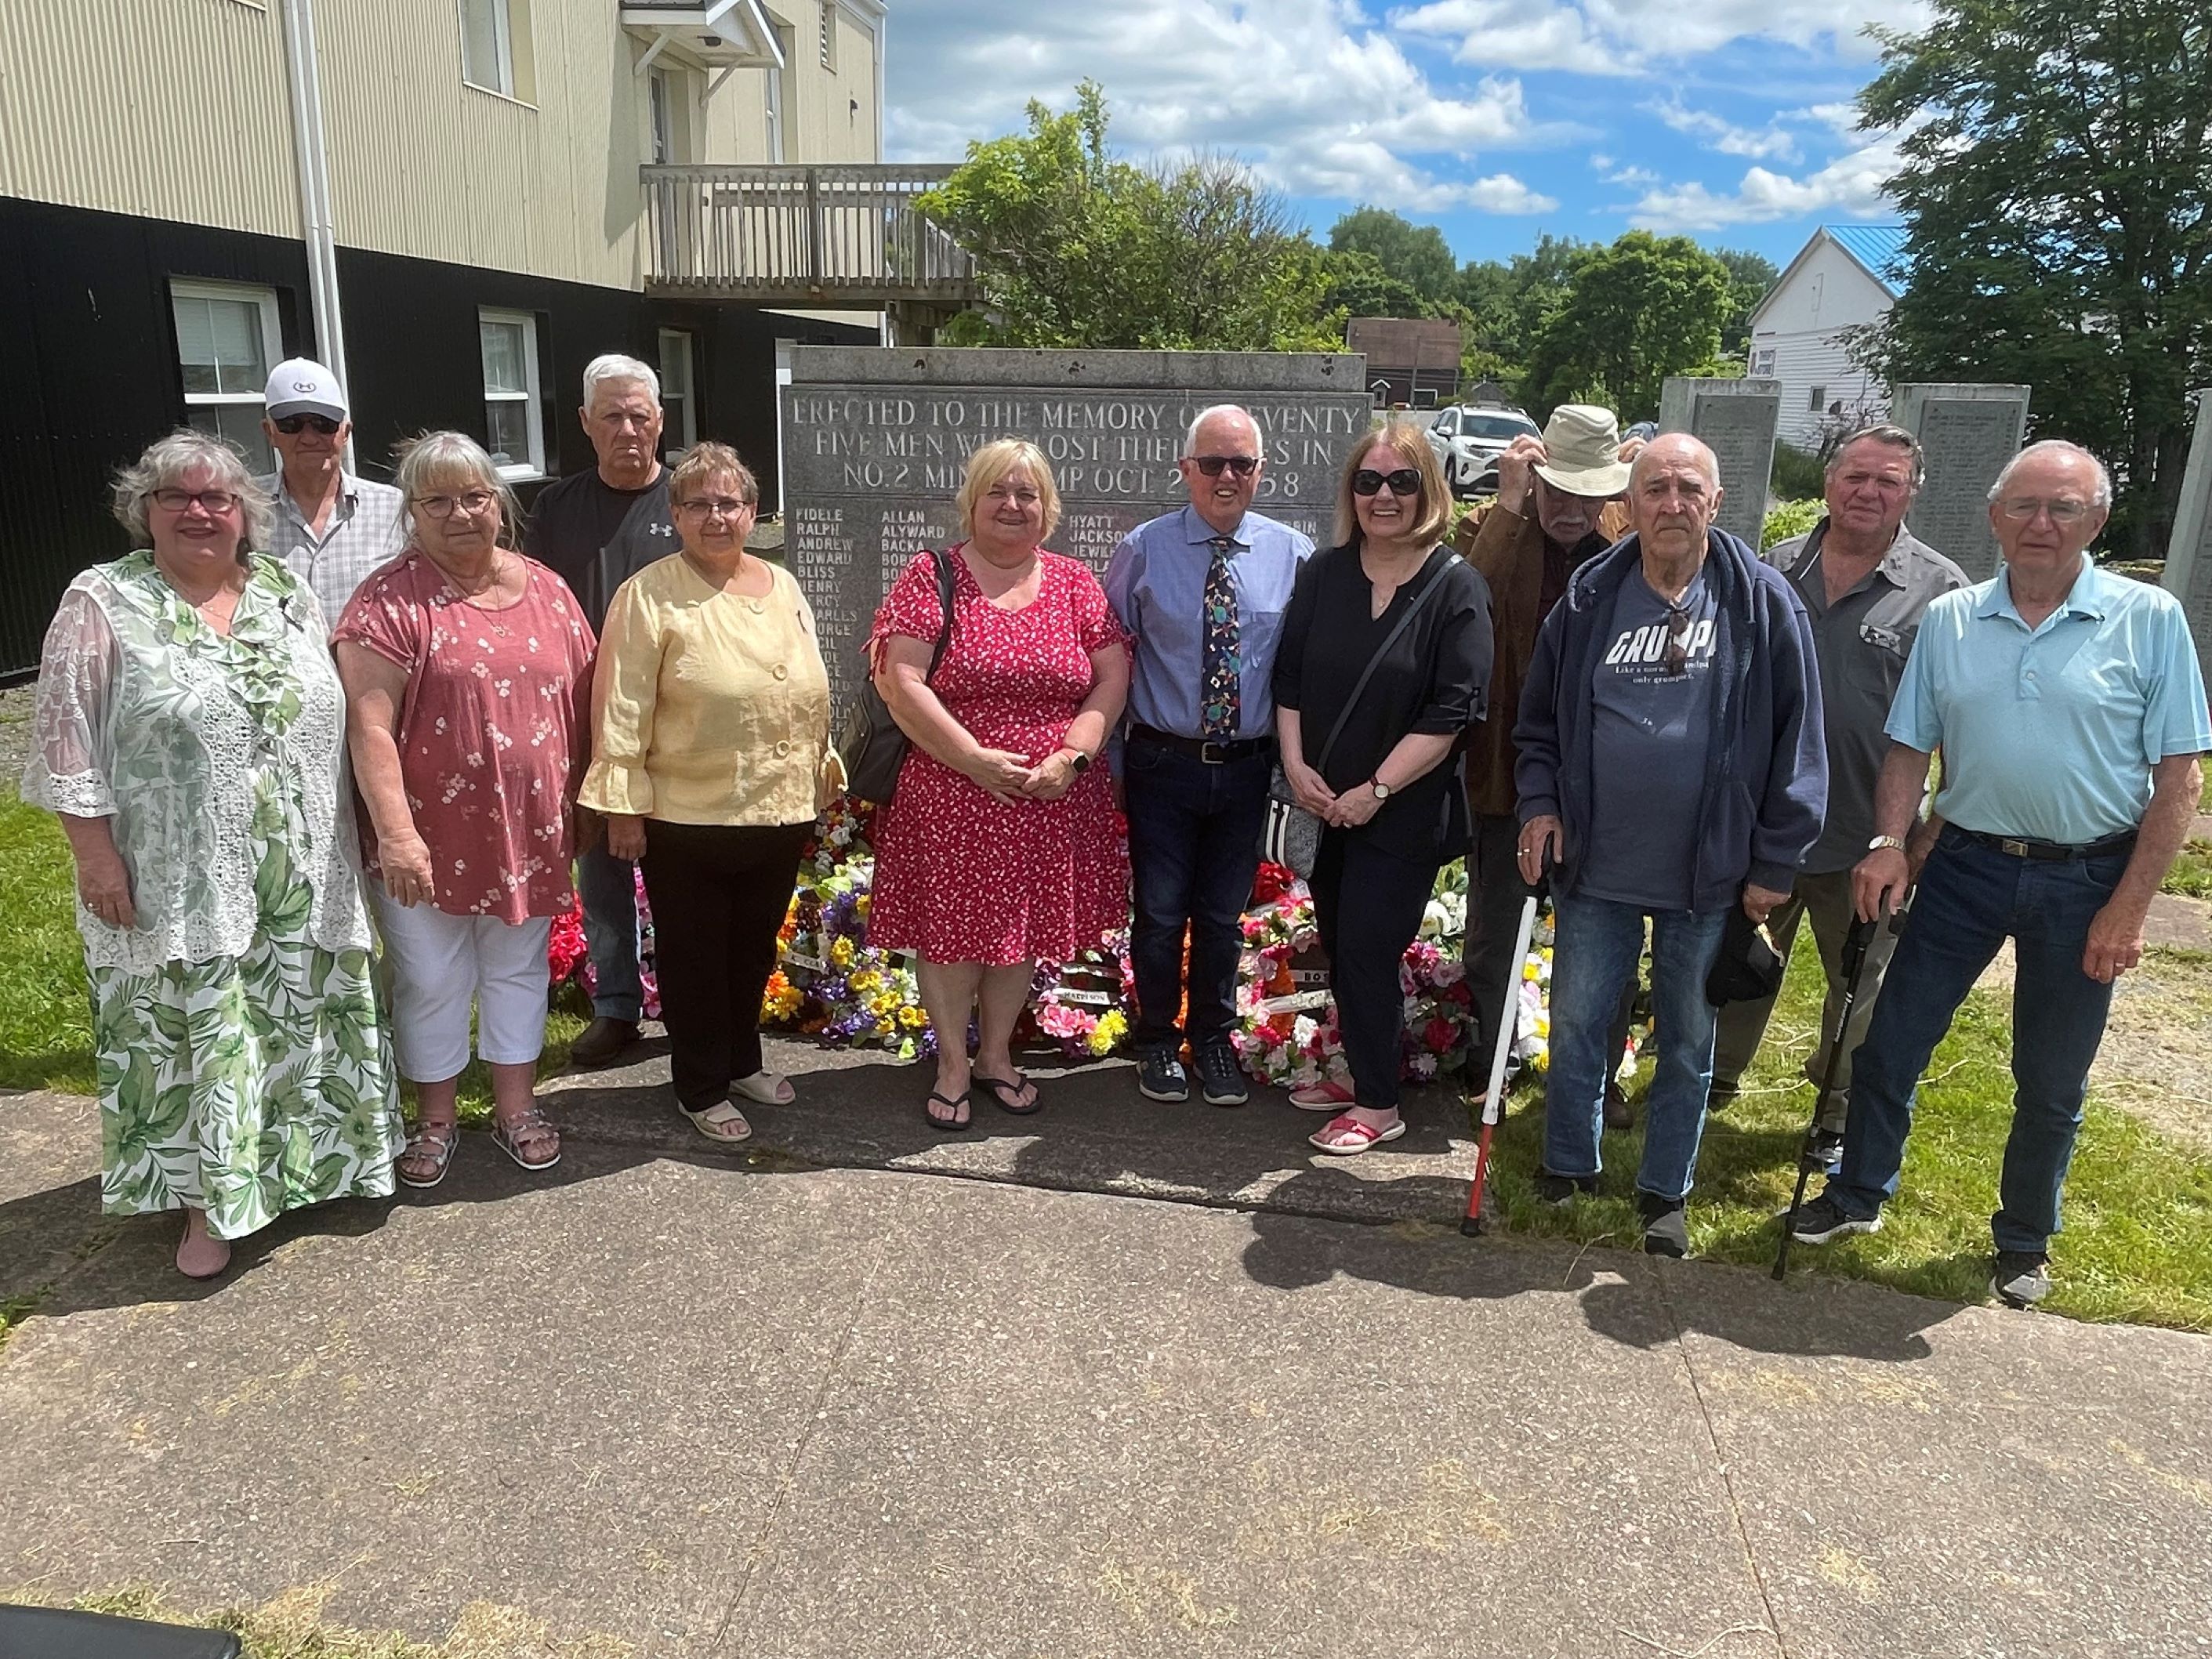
(1075, 248)
(2057, 192)
(1751, 277)
(1633, 313)
(1417, 255)
(1358, 286)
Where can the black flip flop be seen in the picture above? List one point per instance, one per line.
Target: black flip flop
(1000, 1089)
(947, 1126)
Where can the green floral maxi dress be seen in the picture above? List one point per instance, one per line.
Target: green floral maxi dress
(242, 1067)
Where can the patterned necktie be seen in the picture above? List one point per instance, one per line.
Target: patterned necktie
(1222, 688)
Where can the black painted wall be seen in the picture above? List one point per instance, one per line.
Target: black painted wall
(89, 373)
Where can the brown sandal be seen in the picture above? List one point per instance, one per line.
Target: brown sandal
(526, 1127)
(431, 1147)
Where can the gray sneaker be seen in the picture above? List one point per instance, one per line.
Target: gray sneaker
(1823, 1219)
(1160, 1075)
(2022, 1279)
(1220, 1080)
(1666, 1227)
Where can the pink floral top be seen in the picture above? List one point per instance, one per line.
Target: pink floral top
(494, 732)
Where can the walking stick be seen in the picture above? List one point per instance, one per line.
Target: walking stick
(1855, 949)
(1494, 1102)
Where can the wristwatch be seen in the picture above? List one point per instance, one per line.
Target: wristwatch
(1381, 789)
(1881, 841)
(1078, 761)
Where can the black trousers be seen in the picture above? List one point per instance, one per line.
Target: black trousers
(1367, 908)
(719, 895)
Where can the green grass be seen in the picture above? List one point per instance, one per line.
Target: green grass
(2138, 1244)
(46, 1008)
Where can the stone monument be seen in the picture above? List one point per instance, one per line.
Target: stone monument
(875, 439)
(1736, 419)
(2189, 556)
(1968, 433)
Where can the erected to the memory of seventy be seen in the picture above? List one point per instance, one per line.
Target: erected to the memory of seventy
(875, 439)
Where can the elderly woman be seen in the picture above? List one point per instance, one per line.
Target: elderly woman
(467, 668)
(712, 757)
(998, 849)
(189, 733)
(1382, 666)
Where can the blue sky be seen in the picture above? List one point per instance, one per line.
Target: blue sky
(1730, 120)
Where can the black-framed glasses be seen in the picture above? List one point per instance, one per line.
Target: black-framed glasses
(216, 501)
(1678, 641)
(475, 503)
(292, 425)
(1404, 481)
(1243, 465)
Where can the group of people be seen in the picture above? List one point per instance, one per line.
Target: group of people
(302, 680)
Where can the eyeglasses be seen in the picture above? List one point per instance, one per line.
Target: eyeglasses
(1243, 465)
(474, 503)
(1404, 481)
(723, 506)
(2063, 512)
(292, 425)
(1677, 660)
(216, 501)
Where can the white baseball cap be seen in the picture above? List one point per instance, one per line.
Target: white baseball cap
(301, 385)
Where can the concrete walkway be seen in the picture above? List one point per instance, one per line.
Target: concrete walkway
(1148, 1383)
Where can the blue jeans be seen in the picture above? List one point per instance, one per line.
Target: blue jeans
(1193, 849)
(608, 887)
(1596, 946)
(1971, 899)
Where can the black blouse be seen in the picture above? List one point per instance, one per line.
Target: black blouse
(1435, 680)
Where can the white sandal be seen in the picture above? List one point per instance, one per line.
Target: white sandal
(768, 1088)
(721, 1123)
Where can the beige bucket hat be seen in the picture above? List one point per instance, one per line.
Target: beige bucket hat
(1582, 451)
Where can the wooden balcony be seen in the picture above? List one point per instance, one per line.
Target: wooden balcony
(828, 236)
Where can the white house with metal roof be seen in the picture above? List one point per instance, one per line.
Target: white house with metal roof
(1844, 276)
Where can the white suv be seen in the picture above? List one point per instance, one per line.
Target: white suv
(1468, 441)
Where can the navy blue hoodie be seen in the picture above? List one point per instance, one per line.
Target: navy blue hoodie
(1767, 772)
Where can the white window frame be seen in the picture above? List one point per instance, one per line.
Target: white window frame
(676, 347)
(502, 28)
(272, 336)
(661, 115)
(1762, 361)
(1818, 403)
(830, 35)
(532, 396)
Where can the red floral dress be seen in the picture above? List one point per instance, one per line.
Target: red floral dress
(960, 876)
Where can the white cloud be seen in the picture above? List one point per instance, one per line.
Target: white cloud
(1506, 35)
(1321, 100)
(1851, 186)
(1765, 143)
(1627, 37)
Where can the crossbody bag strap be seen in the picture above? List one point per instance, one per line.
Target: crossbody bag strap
(1405, 621)
(944, 590)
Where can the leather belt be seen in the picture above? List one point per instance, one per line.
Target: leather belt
(2051, 852)
(1207, 750)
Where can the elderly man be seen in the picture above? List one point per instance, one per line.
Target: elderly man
(331, 528)
(1558, 506)
(597, 529)
(2070, 712)
(1671, 767)
(1866, 581)
(1202, 591)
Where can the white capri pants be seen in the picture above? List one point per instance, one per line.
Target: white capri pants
(439, 965)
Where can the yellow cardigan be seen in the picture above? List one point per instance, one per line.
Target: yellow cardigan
(709, 708)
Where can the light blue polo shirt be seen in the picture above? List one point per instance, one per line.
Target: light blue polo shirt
(2050, 734)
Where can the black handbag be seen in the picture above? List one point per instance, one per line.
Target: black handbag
(1289, 835)
(872, 747)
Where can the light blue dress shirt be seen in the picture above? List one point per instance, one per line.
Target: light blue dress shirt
(2049, 733)
(1157, 585)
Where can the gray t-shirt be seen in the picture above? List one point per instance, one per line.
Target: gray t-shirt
(1650, 730)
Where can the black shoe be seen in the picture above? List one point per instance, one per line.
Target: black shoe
(1557, 1189)
(603, 1041)
(1825, 1151)
(1666, 1228)
(1617, 1113)
(1720, 1096)
(1220, 1080)
(2022, 1278)
(1824, 1219)
(1160, 1075)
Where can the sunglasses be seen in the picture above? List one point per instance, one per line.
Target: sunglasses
(1243, 465)
(292, 425)
(1404, 481)
(1678, 641)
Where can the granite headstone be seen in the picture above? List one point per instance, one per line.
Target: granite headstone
(2189, 556)
(1736, 419)
(1968, 433)
(875, 439)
